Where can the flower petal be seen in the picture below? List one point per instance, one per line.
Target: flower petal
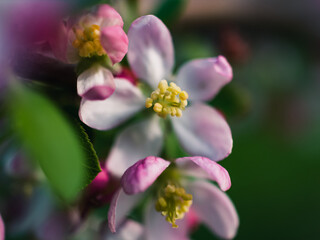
(203, 131)
(2, 230)
(136, 142)
(96, 83)
(130, 230)
(120, 206)
(150, 51)
(203, 78)
(214, 208)
(103, 115)
(142, 174)
(115, 42)
(204, 167)
(109, 15)
(157, 228)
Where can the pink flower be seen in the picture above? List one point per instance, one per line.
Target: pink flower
(95, 34)
(2, 231)
(176, 188)
(201, 129)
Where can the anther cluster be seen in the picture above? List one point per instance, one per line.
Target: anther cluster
(167, 100)
(173, 203)
(88, 41)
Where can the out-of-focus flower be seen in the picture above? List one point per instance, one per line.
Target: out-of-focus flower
(2, 231)
(201, 129)
(32, 23)
(95, 33)
(98, 33)
(174, 193)
(26, 28)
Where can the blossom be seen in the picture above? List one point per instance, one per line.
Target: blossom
(2, 231)
(174, 193)
(98, 33)
(201, 129)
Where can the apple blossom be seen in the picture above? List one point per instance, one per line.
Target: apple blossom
(201, 129)
(98, 33)
(176, 188)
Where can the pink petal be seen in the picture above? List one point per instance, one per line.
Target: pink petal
(120, 207)
(96, 83)
(123, 103)
(203, 131)
(157, 228)
(61, 43)
(214, 209)
(150, 51)
(115, 42)
(142, 174)
(136, 142)
(203, 78)
(109, 15)
(130, 230)
(206, 168)
(2, 230)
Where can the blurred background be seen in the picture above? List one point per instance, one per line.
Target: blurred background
(272, 106)
(272, 103)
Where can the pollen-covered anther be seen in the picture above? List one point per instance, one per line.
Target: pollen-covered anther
(168, 99)
(173, 203)
(88, 41)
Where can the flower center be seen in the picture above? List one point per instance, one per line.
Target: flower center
(88, 41)
(173, 203)
(167, 99)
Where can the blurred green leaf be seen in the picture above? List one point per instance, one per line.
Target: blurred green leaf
(50, 140)
(169, 10)
(92, 165)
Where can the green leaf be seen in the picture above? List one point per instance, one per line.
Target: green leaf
(92, 165)
(49, 139)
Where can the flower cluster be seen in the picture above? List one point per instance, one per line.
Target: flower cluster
(147, 101)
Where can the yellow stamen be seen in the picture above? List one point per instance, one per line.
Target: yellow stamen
(168, 99)
(157, 107)
(88, 41)
(173, 203)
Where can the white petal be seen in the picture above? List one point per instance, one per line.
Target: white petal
(214, 208)
(203, 131)
(201, 167)
(157, 228)
(203, 78)
(130, 230)
(120, 207)
(136, 142)
(103, 115)
(96, 83)
(150, 51)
